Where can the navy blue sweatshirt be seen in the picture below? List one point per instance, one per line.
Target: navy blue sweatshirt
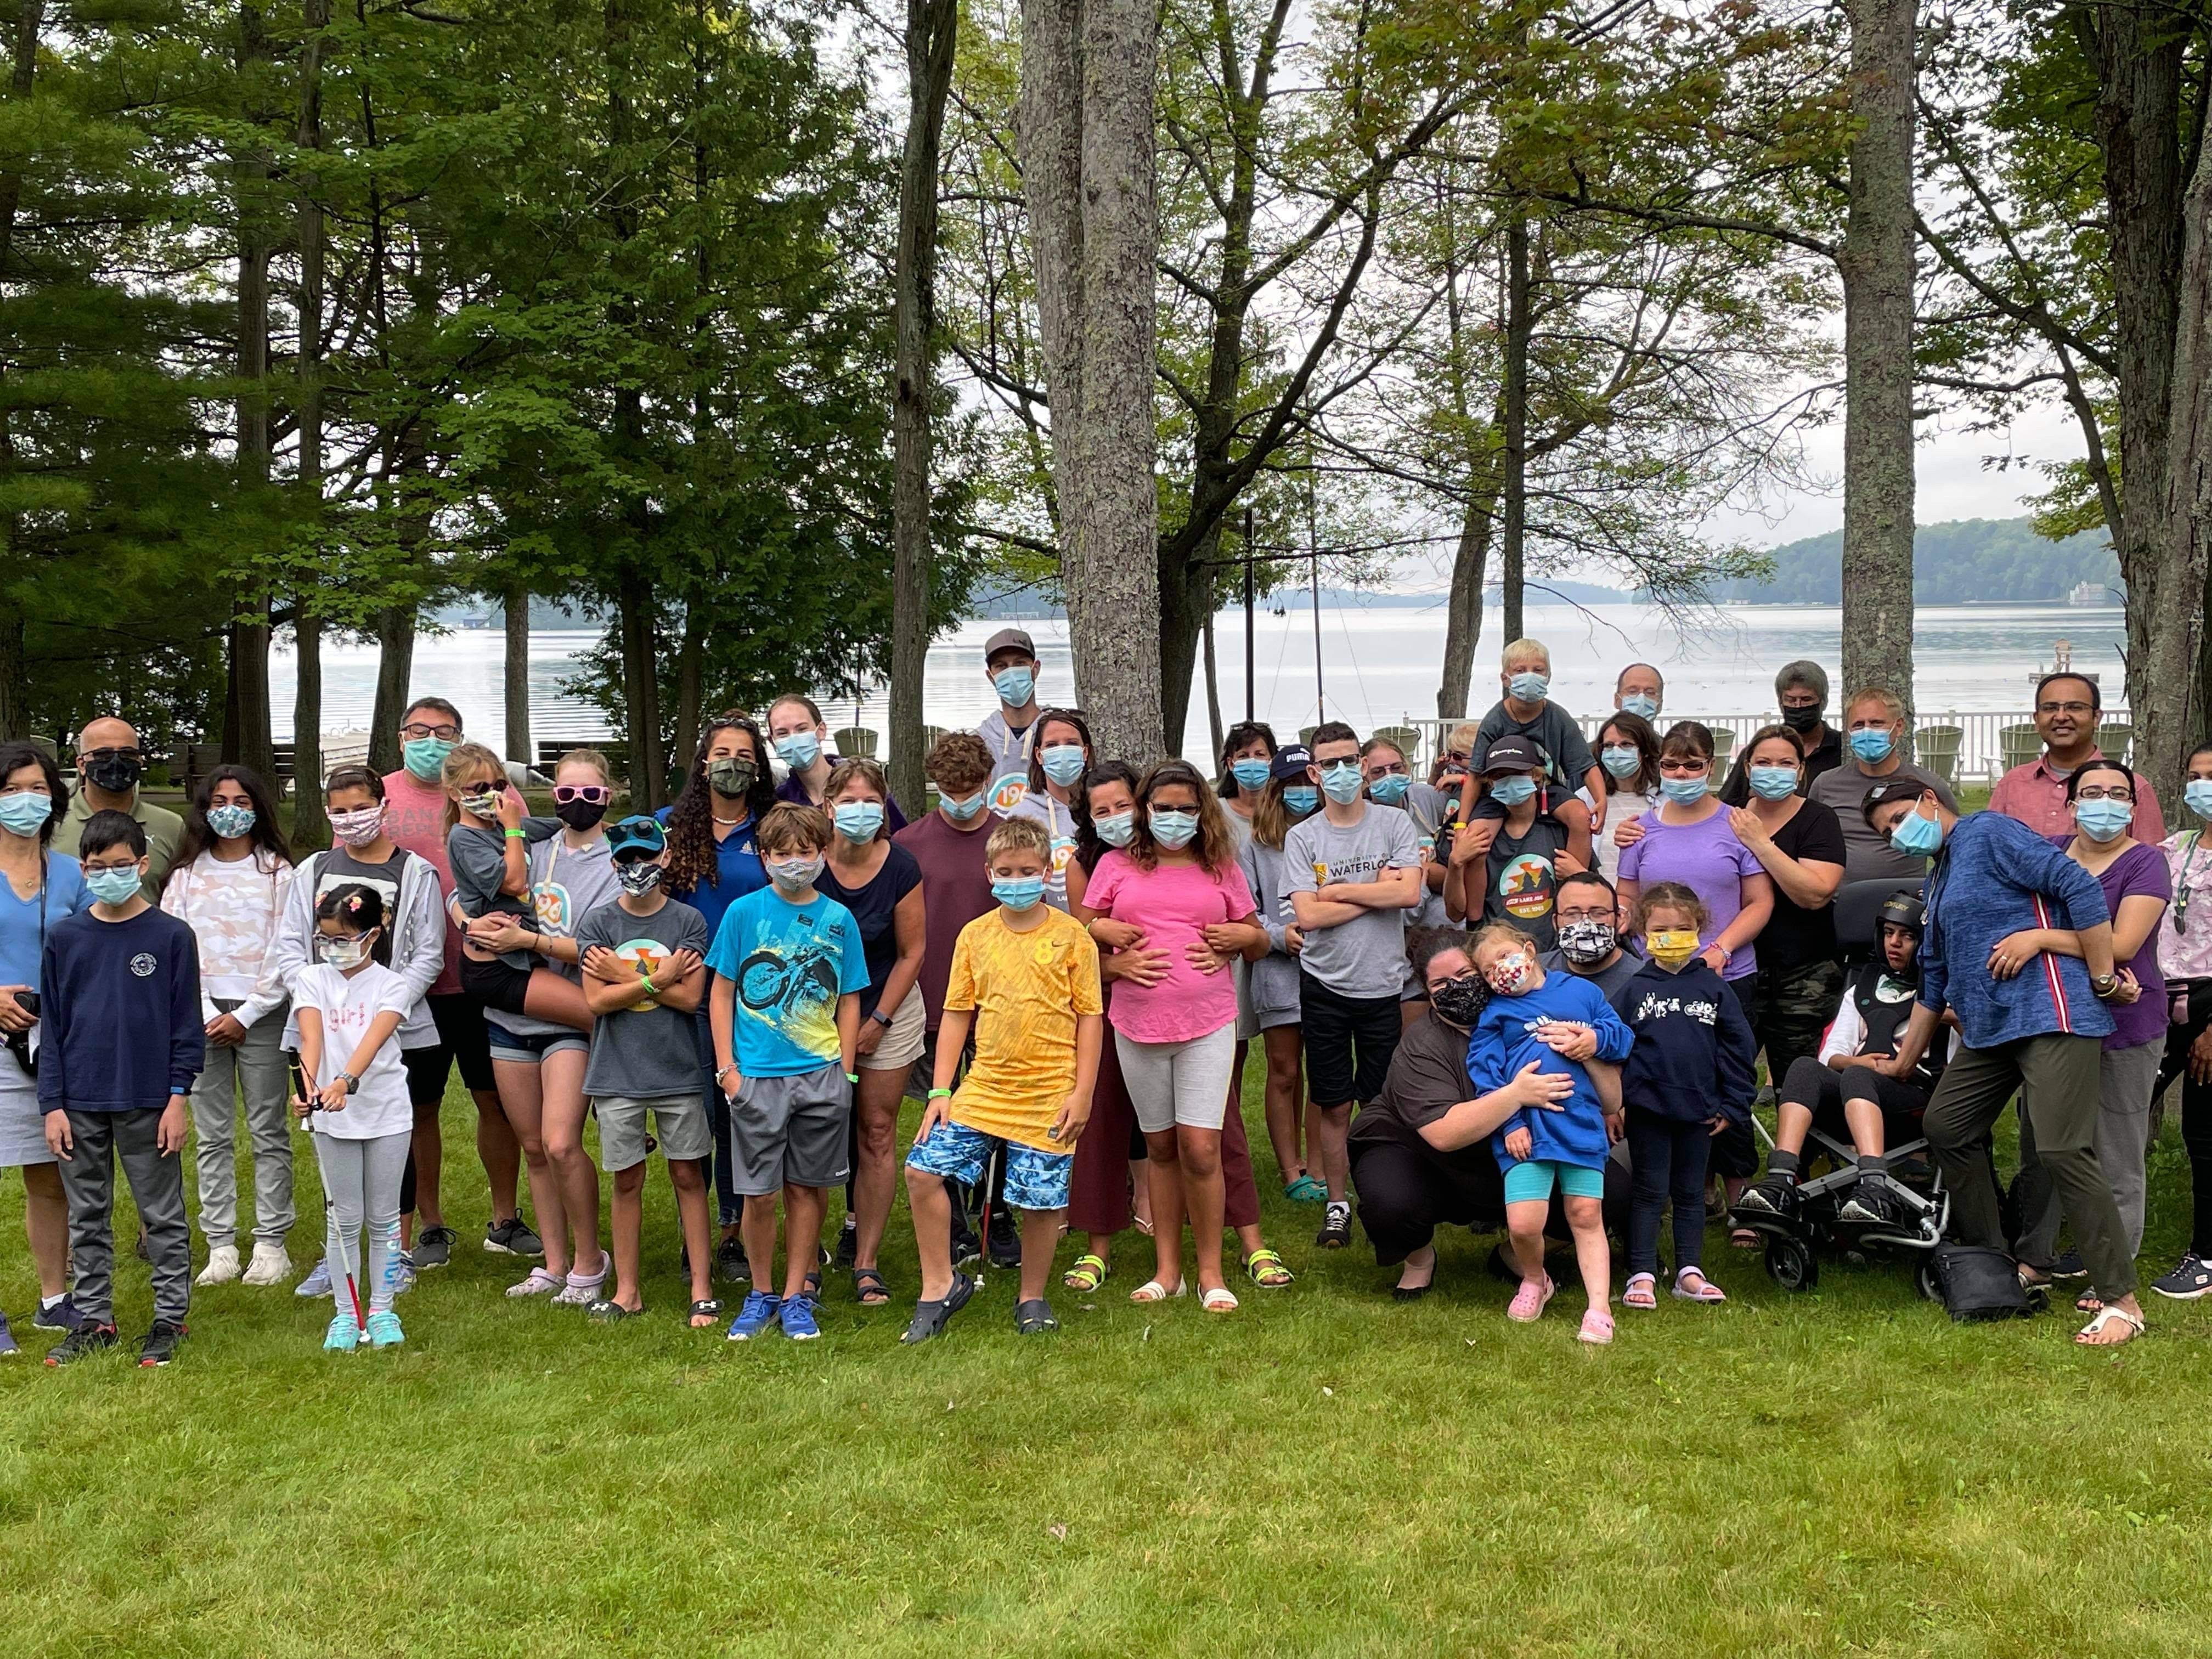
(1695, 1058)
(119, 1024)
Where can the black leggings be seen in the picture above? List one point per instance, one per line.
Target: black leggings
(2196, 1110)
(1814, 1084)
(1668, 1158)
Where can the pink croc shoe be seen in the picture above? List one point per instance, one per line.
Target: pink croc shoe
(1597, 1328)
(1528, 1300)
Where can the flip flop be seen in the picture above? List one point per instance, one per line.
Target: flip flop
(608, 1311)
(706, 1315)
(2085, 1336)
(1086, 1274)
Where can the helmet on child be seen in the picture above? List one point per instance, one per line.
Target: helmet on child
(1902, 908)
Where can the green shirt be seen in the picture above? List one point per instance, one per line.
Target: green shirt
(164, 829)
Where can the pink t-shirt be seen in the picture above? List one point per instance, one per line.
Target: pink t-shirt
(1171, 904)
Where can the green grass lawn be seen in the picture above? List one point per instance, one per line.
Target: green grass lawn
(1326, 1472)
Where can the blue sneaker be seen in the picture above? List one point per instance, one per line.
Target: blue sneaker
(7, 1345)
(799, 1319)
(62, 1316)
(403, 1275)
(344, 1335)
(384, 1330)
(318, 1281)
(761, 1310)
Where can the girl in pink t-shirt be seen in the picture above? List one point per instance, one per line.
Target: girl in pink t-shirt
(1177, 888)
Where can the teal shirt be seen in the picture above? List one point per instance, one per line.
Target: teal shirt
(787, 964)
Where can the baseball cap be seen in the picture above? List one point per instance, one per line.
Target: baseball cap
(1291, 762)
(639, 835)
(1511, 753)
(1009, 639)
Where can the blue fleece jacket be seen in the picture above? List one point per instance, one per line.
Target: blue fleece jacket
(1695, 1058)
(1995, 876)
(119, 1024)
(1504, 1040)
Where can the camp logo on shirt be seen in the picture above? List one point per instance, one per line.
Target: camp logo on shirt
(1008, 793)
(1703, 1009)
(143, 964)
(554, 910)
(649, 956)
(1525, 886)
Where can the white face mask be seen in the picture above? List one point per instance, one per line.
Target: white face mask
(342, 951)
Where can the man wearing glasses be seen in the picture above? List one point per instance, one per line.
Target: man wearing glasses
(109, 765)
(2066, 710)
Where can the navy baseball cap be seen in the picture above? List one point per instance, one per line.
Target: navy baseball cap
(1291, 762)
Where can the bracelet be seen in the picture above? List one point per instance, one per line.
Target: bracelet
(853, 1077)
(518, 834)
(651, 988)
(725, 1071)
(941, 1094)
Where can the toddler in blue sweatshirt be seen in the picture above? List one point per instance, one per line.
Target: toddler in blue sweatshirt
(1558, 1024)
(1693, 1071)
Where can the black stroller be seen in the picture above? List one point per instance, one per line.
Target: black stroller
(1820, 1222)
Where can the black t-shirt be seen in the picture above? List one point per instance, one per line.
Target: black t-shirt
(1826, 756)
(1520, 878)
(1793, 935)
(875, 909)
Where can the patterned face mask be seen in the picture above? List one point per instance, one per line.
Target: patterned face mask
(1509, 974)
(1587, 943)
(1460, 1001)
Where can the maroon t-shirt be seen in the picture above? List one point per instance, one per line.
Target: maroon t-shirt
(956, 889)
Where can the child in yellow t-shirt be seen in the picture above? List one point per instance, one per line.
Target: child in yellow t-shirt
(1025, 976)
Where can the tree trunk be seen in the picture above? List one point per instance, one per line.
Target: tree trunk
(691, 682)
(1212, 699)
(247, 741)
(642, 691)
(1876, 264)
(310, 827)
(14, 674)
(1463, 614)
(395, 675)
(1519, 325)
(515, 673)
(932, 32)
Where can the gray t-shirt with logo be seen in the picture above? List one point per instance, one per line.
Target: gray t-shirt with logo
(647, 1053)
(1366, 956)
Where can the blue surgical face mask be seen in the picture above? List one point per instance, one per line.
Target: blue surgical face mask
(230, 821)
(1014, 686)
(1623, 760)
(1529, 686)
(25, 813)
(1512, 792)
(1304, 798)
(1638, 704)
(112, 886)
(1773, 782)
(1116, 829)
(1916, 836)
(1684, 792)
(1018, 892)
(1172, 828)
(1872, 743)
(859, 820)
(2104, 820)
(2196, 794)
(1341, 782)
(1390, 788)
(800, 750)
(425, 757)
(1062, 762)
(963, 810)
(1251, 774)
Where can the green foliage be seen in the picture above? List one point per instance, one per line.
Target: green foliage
(1966, 562)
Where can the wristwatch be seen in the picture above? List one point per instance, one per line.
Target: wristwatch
(2102, 986)
(880, 1017)
(350, 1081)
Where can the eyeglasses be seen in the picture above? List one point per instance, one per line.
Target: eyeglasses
(416, 732)
(591, 794)
(1680, 767)
(2062, 709)
(2118, 792)
(1600, 913)
(112, 754)
(1385, 769)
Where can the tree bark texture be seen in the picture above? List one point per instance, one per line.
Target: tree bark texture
(395, 674)
(690, 681)
(514, 676)
(932, 32)
(1463, 611)
(1876, 264)
(1519, 326)
(642, 691)
(310, 827)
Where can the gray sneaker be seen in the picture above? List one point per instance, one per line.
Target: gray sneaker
(512, 1237)
(434, 1248)
(318, 1281)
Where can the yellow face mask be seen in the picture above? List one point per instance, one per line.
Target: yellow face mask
(1670, 947)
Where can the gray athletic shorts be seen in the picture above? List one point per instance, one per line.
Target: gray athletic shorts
(679, 1123)
(791, 1130)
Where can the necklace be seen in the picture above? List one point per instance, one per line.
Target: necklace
(719, 818)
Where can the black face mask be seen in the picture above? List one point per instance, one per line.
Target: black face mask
(1460, 1003)
(1801, 720)
(580, 814)
(117, 773)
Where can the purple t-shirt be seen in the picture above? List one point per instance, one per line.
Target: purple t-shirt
(2139, 872)
(1706, 858)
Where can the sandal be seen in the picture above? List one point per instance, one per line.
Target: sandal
(1528, 1300)
(1306, 1189)
(1704, 1290)
(1643, 1291)
(1143, 1224)
(1218, 1300)
(1266, 1269)
(1152, 1291)
(2032, 1278)
(1597, 1328)
(930, 1318)
(2088, 1336)
(608, 1311)
(705, 1315)
(1744, 1238)
(1087, 1274)
(1033, 1317)
(2088, 1302)
(869, 1288)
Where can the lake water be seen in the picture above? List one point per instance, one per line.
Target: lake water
(1378, 665)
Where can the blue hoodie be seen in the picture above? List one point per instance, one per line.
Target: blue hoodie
(1504, 1040)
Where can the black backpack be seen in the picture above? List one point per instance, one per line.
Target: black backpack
(1980, 1283)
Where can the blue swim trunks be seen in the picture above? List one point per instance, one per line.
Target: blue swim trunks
(1530, 1181)
(1036, 1180)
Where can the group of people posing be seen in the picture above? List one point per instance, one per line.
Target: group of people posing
(1528, 990)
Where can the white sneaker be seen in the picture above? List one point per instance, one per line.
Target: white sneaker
(222, 1266)
(270, 1266)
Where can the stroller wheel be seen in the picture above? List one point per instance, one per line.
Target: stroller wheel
(1925, 1279)
(1791, 1264)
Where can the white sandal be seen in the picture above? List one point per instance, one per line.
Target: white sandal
(1219, 1300)
(1707, 1291)
(2105, 1315)
(1649, 1282)
(1152, 1291)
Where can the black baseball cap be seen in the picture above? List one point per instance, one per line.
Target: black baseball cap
(1511, 753)
(1291, 762)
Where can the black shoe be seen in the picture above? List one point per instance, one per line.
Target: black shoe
(2189, 1280)
(730, 1264)
(512, 1237)
(1770, 1197)
(848, 1243)
(2069, 1266)
(967, 1248)
(1870, 1202)
(1005, 1241)
(86, 1340)
(1335, 1226)
(62, 1316)
(434, 1248)
(159, 1346)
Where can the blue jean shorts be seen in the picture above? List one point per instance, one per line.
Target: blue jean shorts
(1529, 1181)
(531, 1049)
(1036, 1180)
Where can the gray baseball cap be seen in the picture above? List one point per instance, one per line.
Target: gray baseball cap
(1009, 639)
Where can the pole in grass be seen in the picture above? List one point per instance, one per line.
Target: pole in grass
(345, 1245)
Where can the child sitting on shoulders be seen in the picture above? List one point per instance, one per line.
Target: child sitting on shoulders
(1693, 1072)
(1557, 1023)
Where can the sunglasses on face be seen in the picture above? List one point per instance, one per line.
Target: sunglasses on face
(591, 794)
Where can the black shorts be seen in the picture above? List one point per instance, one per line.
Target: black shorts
(461, 1038)
(1349, 1041)
(425, 1075)
(494, 984)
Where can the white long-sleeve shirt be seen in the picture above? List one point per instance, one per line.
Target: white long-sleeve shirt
(234, 909)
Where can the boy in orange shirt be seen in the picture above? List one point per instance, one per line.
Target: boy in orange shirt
(1026, 977)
